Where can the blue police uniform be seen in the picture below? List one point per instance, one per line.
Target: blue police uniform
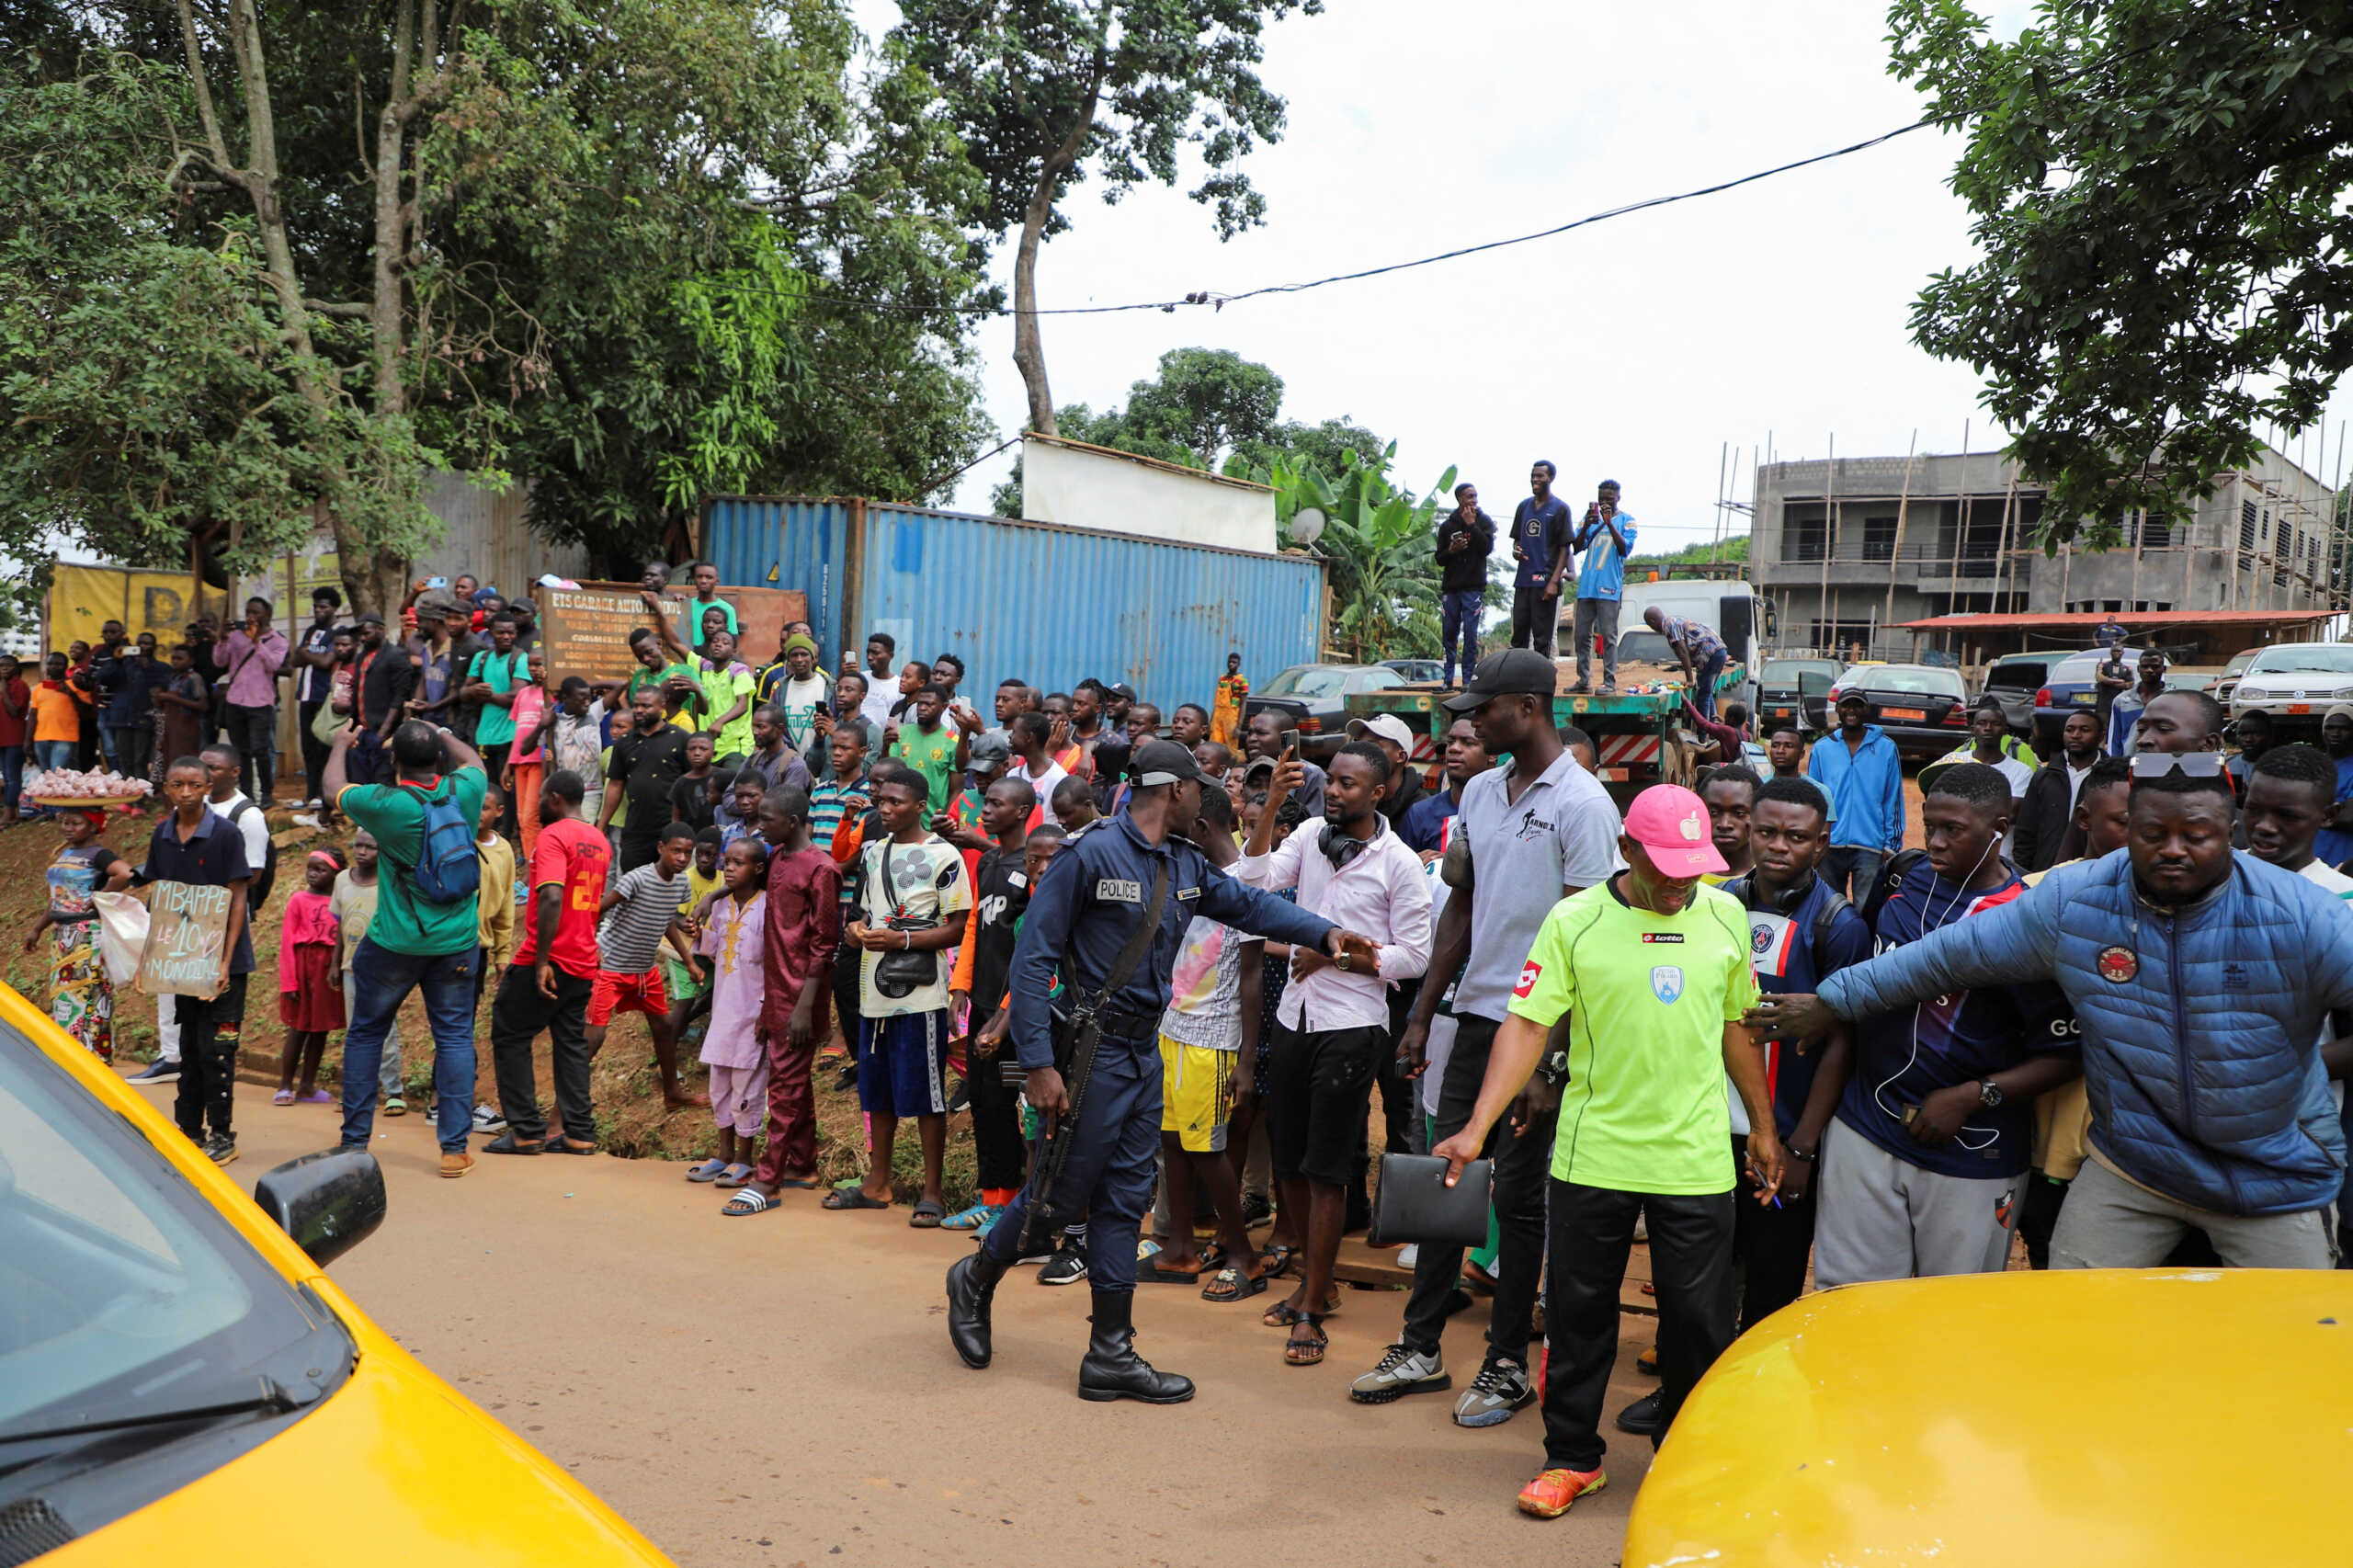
(1080, 916)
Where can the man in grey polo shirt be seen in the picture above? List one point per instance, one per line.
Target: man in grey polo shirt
(1526, 837)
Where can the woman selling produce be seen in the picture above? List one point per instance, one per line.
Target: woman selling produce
(81, 997)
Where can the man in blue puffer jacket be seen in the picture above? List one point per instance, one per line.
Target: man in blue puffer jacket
(2200, 978)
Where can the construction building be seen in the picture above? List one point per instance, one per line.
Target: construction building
(1890, 558)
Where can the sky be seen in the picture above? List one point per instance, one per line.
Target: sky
(1643, 349)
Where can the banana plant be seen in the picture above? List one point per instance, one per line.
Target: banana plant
(1376, 539)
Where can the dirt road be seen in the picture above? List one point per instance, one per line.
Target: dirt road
(779, 1390)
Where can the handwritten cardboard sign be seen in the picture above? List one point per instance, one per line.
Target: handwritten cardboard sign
(187, 940)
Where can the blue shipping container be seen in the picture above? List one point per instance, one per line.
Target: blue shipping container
(1034, 602)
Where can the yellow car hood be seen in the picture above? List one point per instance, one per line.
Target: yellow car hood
(2078, 1416)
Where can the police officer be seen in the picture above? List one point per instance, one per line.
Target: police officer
(1081, 914)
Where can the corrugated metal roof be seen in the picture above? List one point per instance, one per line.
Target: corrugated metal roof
(2143, 618)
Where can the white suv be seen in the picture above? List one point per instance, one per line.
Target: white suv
(2295, 681)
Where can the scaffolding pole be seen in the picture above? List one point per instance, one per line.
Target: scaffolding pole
(1896, 553)
(1829, 539)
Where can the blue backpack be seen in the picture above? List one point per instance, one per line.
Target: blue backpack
(449, 868)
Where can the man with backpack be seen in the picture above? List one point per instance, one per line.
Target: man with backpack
(427, 929)
(226, 801)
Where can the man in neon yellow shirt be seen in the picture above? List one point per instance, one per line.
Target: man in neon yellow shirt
(1650, 972)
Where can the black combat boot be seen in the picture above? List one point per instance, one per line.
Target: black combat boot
(1112, 1370)
(971, 1282)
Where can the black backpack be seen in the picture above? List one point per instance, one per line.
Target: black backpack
(265, 874)
(1892, 873)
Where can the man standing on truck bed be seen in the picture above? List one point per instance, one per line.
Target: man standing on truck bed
(1607, 536)
(1539, 542)
(1702, 652)
(1465, 540)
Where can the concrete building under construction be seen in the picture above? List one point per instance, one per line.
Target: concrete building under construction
(1857, 553)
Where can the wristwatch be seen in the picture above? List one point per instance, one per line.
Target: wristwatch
(1989, 1092)
(1555, 1068)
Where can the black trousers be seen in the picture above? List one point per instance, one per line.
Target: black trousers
(209, 1036)
(254, 732)
(996, 1122)
(314, 750)
(1521, 1167)
(1535, 620)
(2039, 1215)
(1592, 1232)
(1771, 1247)
(517, 1013)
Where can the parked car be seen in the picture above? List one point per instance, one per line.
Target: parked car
(1313, 699)
(2223, 687)
(2012, 680)
(1924, 710)
(2108, 1373)
(2295, 683)
(181, 1381)
(2192, 678)
(2068, 687)
(1418, 671)
(1793, 693)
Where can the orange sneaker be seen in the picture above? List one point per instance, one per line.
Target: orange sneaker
(1548, 1495)
(455, 1165)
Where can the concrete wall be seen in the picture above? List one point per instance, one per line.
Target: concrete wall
(1088, 487)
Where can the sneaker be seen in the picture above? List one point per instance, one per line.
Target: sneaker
(979, 1217)
(395, 1106)
(220, 1149)
(961, 1097)
(1400, 1371)
(1642, 1418)
(1409, 1254)
(455, 1166)
(1501, 1387)
(846, 1079)
(1068, 1266)
(487, 1120)
(1256, 1209)
(160, 1071)
(1548, 1495)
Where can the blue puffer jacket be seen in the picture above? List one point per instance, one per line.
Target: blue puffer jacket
(2199, 1027)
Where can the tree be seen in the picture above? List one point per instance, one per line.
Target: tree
(1377, 541)
(1327, 445)
(1203, 402)
(667, 247)
(2167, 259)
(1044, 93)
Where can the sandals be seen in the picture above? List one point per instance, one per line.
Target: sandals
(1232, 1285)
(283, 1097)
(1300, 1352)
(927, 1216)
(751, 1200)
(1282, 1314)
(847, 1197)
(506, 1144)
(735, 1174)
(709, 1170)
(1279, 1259)
(566, 1146)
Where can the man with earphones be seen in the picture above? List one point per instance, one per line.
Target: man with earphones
(2201, 978)
(1924, 1164)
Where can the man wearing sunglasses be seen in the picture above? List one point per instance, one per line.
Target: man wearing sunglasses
(2201, 978)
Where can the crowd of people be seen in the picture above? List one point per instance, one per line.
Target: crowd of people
(1167, 965)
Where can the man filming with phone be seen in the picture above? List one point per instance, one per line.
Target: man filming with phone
(1265, 740)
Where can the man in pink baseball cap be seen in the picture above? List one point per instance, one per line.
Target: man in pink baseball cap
(1651, 969)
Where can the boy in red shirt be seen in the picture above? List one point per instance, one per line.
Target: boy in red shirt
(547, 985)
(804, 928)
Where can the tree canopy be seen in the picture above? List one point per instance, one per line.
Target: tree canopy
(265, 263)
(1044, 94)
(2168, 258)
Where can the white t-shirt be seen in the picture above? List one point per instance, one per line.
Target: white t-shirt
(254, 828)
(799, 698)
(1044, 783)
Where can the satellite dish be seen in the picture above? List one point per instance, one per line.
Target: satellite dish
(1307, 524)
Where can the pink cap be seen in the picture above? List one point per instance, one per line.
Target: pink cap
(1672, 824)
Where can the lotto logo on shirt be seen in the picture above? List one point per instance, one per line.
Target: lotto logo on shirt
(1528, 975)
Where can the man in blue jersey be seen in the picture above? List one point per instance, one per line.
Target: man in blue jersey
(1606, 537)
(1539, 543)
(1922, 1170)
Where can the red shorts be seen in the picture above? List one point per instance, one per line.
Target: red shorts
(626, 994)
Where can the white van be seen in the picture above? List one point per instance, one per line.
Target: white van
(1739, 615)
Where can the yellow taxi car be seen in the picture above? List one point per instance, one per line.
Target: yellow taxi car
(181, 1381)
(2156, 1417)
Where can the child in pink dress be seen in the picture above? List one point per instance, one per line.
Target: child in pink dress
(734, 939)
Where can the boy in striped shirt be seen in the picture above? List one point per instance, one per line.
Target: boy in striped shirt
(642, 912)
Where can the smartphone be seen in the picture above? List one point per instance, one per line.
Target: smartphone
(1291, 742)
(436, 582)
(825, 707)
